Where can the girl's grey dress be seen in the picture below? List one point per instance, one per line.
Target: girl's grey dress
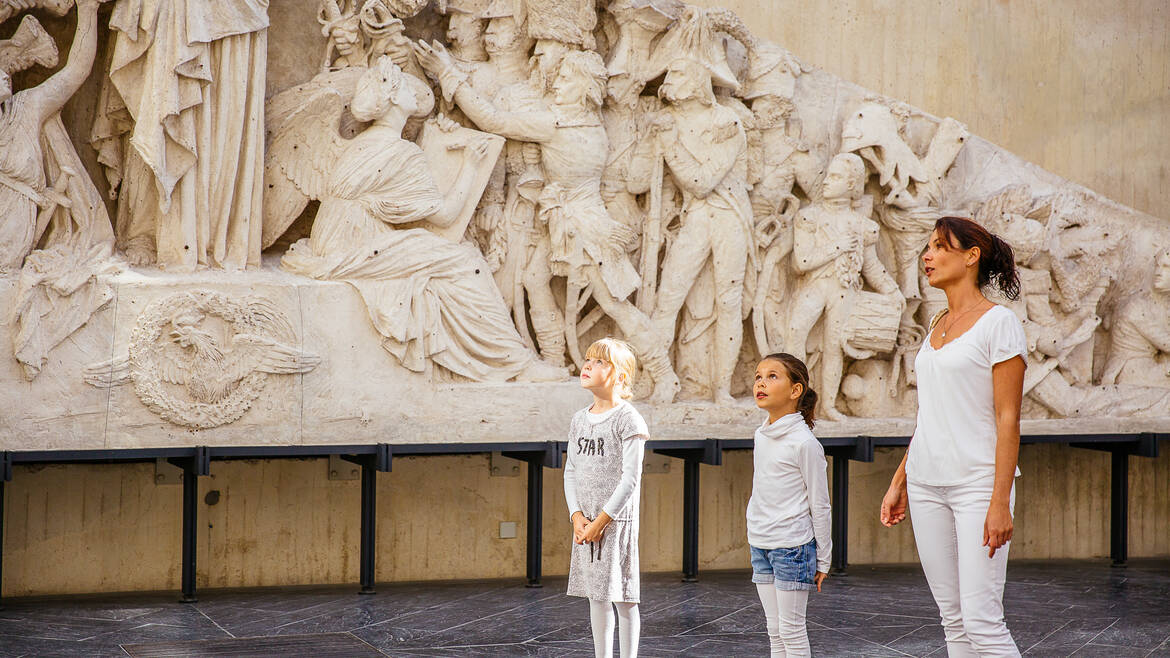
(606, 570)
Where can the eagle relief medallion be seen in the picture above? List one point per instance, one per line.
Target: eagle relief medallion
(200, 358)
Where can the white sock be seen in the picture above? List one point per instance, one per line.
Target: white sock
(791, 627)
(771, 603)
(629, 628)
(601, 617)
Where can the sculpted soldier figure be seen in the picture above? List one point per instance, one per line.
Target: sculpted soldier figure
(704, 146)
(834, 250)
(588, 246)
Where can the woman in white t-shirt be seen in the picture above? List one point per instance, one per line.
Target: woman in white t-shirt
(958, 476)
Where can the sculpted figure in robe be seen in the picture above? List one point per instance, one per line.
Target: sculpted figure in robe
(180, 130)
(704, 147)
(54, 227)
(587, 245)
(295, 116)
(834, 252)
(432, 299)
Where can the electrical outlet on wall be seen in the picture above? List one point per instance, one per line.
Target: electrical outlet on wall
(507, 529)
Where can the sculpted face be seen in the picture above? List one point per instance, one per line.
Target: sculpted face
(464, 30)
(680, 83)
(502, 34)
(839, 180)
(5, 86)
(568, 89)
(546, 61)
(1162, 272)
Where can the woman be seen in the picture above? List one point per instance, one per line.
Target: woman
(959, 472)
(429, 297)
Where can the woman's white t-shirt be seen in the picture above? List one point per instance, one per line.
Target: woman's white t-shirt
(954, 442)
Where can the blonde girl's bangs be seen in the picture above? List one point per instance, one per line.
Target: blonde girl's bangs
(620, 355)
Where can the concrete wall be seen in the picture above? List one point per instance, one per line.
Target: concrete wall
(1079, 87)
(111, 528)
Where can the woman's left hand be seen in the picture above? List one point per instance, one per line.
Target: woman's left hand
(997, 527)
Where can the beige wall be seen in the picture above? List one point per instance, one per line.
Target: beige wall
(1079, 87)
(87, 528)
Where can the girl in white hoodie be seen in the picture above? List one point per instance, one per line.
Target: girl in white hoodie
(788, 516)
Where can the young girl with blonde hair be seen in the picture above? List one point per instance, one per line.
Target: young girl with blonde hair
(603, 475)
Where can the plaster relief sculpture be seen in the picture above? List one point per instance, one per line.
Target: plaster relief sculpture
(834, 250)
(538, 173)
(199, 358)
(432, 299)
(704, 146)
(911, 186)
(55, 232)
(180, 130)
(588, 246)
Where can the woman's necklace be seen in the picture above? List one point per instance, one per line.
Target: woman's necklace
(950, 325)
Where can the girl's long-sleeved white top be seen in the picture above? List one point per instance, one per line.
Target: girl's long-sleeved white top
(633, 452)
(790, 490)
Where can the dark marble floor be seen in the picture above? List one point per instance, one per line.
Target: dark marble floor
(1054, 609)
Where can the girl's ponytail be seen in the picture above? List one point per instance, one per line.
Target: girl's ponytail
(807, 407)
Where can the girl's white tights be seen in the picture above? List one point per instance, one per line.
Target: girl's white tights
(784, 612)
(629, 626)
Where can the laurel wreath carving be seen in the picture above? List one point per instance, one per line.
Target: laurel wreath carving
(249, 315)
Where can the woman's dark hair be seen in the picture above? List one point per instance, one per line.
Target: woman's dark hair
(798, 374)
(997, 263)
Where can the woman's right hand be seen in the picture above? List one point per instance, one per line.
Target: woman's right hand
(894, 506)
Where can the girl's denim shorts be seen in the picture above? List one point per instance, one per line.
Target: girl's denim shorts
(789, 568)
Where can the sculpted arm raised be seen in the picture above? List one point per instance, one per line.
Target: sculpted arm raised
(48, 97)
(520, 126)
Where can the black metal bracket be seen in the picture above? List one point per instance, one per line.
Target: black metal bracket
(5, 466)
(194, 465)
(547, 455)
(1120, 447)
(381, 460)
(709, 452)
(1144, 444)
(856, 449)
